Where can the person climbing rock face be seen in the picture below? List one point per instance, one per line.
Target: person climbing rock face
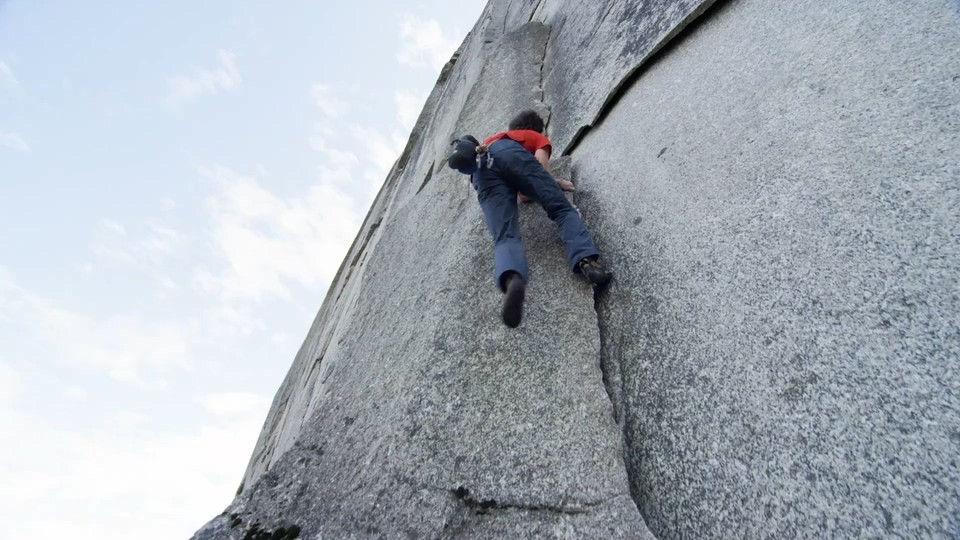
(517, 162)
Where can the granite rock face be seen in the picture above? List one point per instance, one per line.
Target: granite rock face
(777, 189)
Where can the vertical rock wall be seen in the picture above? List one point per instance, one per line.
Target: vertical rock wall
(779, 194)
(776, 190)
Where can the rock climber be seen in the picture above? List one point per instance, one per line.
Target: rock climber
(515, 162)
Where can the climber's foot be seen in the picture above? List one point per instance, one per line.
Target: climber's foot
(596, 274)
(515, 289)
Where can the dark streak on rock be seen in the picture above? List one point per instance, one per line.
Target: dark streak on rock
(687, 26)
(426, 179)
(484, 507)
(535, 9)
(256, 532)
(543, 95)
(363, 246)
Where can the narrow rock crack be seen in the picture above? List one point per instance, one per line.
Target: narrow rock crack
(543, 93)
(534, 12)
(612, 372)
(611, 369)
(487, 506)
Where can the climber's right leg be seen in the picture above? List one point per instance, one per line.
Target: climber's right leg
(529, 176)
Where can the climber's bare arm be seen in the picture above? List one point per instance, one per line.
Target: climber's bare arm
(543, 156)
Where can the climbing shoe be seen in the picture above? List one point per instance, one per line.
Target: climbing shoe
(512, 311)
(595, 273)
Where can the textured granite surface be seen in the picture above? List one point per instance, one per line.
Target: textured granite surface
(780, 197)
(776, 190)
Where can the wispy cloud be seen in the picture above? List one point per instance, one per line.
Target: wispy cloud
(204, 81)
(380, 150)
(150, 250)
(162, 240)
(268, 242)
(368, 152)
(424, 44)
(75, 393)
(11, 384)
(231, 404)
(326, 100)
(127, 349)
(409, 105)
(71, 482)
(337, 166)
(13, 141)
(7, 78)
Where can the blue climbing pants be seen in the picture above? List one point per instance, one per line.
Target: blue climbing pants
(508, 168)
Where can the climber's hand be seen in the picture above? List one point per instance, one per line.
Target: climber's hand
(523, 198)
(566, 185)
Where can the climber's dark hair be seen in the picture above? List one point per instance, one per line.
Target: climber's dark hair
(528, 119)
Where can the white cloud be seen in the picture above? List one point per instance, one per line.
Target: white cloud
(409, 105)
(232, 404)
(121, 483)
(380, 150)
(11, 384)
(227, 321)
(111, 244)
(166, 283)
(73, 478)
(112, 226)
(336, 165)
(268, 242)
(14, 142)
(162, 240)
(7, 78)
(204, 81)
(423, 43)
(329, 104)
(129, 419)
(148, 249)
(75, 393)
(127, 349)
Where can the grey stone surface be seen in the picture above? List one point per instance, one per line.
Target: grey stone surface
(411, 409)
(595, 46)
(777, 194)
(779, 198)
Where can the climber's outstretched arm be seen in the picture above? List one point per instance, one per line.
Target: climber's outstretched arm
(543, 156)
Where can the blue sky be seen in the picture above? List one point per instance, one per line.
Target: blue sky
(179, 182)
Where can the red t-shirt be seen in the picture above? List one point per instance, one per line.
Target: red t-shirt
(531, 140)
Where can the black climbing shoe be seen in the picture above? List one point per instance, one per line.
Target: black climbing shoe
(512, 311)
(595, 273)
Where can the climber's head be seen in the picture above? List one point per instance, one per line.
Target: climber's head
(528, 119)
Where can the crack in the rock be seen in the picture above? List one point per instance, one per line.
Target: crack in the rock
(611, 370)
(534, 12)
(543, 92)
(363, 247)
(506, 16)
(485, 506)
(612, 373)
(611, 367)
(602, 19)
(667, 42)
(427, 178)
